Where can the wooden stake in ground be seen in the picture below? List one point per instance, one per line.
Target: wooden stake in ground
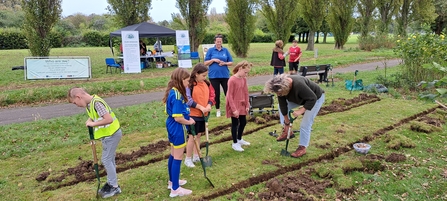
(439, 103)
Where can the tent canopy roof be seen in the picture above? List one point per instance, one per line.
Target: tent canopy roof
(146, 30)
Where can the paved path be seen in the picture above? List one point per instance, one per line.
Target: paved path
(24, 114)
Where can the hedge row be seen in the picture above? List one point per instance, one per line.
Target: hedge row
(17, 40)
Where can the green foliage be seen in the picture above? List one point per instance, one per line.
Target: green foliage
(194, 15)
(12, 39)
(9, 18)
(387, 9)
(414, 10)
(366, 10)
(340, 20)
(440, 23)
(419, 49)
(40, 17)
(94, 39)
(313, 13)
(370, 42)
(129, 12)
(280, 16)
(435, 88)
(241, 21)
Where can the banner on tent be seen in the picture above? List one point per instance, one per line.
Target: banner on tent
(131, 51)
(183, 49)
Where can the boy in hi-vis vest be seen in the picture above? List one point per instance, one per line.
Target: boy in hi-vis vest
(106, 128)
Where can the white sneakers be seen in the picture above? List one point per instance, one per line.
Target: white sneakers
(243, 142)
(180, 192)
(195, 158)
(181, 182)
(189, 163)
(217, 113)
(237, 147)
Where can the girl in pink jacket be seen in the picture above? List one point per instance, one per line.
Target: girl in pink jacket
(237, 104)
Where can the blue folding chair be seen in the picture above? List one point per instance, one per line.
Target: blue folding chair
(195, 55)
(111, 63)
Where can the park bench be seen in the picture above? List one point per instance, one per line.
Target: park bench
(320, 70)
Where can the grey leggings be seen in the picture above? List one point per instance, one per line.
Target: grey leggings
(109, 145)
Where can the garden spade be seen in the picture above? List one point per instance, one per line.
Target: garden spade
(95, 159)
(284, 152)
(207, 159)
(353, 82)
(193, 132)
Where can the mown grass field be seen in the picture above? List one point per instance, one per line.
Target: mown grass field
(28, 149)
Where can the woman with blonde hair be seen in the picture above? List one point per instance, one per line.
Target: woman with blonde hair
(294, 91)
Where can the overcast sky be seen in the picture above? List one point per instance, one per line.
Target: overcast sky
(161, 9)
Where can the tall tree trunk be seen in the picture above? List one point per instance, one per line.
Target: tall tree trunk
(310, 43)
(318, 37)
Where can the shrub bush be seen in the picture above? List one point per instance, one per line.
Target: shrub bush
(94, 39)
(419, 49)
(369, 43)
(12, 39)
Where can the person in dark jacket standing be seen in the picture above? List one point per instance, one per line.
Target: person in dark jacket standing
(294, 91)
(278, 58)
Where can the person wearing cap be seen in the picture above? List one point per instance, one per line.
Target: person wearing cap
(294, 91)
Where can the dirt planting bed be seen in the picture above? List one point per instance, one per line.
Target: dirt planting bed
(279, 185)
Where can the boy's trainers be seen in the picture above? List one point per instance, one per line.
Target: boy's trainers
(218, 114)
(104, 188)
(189, 163)
(237, 147)
(195, 159)
(111, 192)
(180, 182)
(243, 142)
(179, 192)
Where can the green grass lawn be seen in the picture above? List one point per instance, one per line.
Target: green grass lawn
(15, 90)
(28, 149)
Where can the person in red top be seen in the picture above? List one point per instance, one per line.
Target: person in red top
(278, 58)
(201, 96)
(294, 58)
(237, 104)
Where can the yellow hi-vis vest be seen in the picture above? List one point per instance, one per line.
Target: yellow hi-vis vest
(105, 130)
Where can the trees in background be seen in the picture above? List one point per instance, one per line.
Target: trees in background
(130, 11)
(240, 16)
(280, 15)
(422, 11)
(12, 5)
(40, 17)
(387, 9)
(193, 18)
(440, 23)
(341, 20)
(366, 10)
(313, 13)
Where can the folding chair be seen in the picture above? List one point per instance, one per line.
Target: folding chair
(111, 63)
(195, 55)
